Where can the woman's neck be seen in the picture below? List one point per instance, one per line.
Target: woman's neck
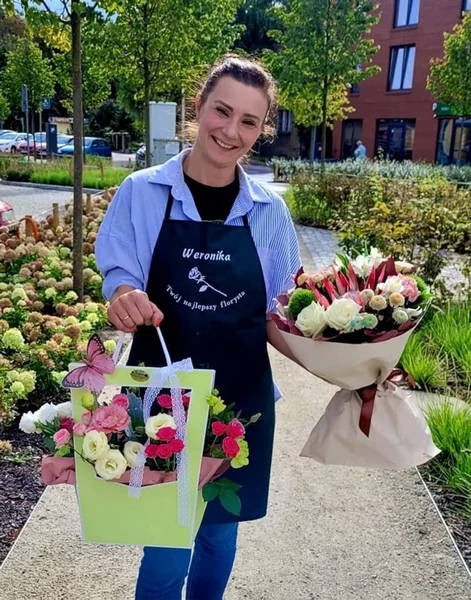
(199, 169)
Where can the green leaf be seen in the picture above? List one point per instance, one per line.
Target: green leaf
(210, 492)
(225, 483)
(63, 451)
(254, 418)
(49, 443)
(230, 501)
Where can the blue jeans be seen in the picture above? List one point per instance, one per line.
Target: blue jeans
(163, 570)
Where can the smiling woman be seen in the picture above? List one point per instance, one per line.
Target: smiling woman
(199, 249)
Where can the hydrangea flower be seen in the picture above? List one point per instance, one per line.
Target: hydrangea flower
(13, 339)
(17, 389)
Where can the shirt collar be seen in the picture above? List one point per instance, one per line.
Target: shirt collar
(171, 174)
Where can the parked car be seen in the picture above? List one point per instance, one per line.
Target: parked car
(4, 131)
(91, 145)
(10, 141)
(39, 147)
(141, 156)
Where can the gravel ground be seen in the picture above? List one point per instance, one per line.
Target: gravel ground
(32, 201)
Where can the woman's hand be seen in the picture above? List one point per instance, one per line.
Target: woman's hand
(130, 308)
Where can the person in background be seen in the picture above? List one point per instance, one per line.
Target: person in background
(360, 150)
(200, 218)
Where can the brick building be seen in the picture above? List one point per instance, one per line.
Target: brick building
(394, 112)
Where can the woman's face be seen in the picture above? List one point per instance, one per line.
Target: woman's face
(230, 121)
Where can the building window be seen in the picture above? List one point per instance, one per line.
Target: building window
(466, 5)
(401, 67)
(285, 121)
(355, 88)
(454, 142)
(395, 138)
(351, 134)
(407, 13)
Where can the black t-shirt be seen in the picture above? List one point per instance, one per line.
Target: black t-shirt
(213, 203)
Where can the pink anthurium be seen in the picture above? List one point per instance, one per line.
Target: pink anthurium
(320, 298)
(340, 281)
(352, 278)
(330, 289)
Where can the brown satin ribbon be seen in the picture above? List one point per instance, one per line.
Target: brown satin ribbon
(368, 395)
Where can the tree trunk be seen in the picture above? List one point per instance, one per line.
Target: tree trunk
(78, 149)
(147, 110)
(324, 126)
(312, 151)
(461, 141)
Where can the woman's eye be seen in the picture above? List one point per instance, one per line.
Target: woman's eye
(221, 111)
(249, 123)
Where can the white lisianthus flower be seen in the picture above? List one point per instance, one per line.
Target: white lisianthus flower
(46, 414)
(64, 410)
(400, 315)
(28, 423)
(130, 451)
(393, 284)
(154, 424)
(95, 445)
(340, 314)
(362, 265)
(311, 321)
(111, 466)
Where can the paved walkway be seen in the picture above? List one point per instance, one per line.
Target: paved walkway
(332, 533)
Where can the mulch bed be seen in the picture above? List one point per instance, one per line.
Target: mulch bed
(20, 483)
(451, 506)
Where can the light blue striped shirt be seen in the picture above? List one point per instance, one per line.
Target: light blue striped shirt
(129, 231)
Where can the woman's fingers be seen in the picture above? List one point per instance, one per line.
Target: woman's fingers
(133, 309)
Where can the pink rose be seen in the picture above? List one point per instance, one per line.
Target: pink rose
(164, 451)
(166, 433)
(410, 291)
(165, 401)
(230, 447)
(235, 429)
(186, 399)
(87, 417)
(218, 428)
(121, 400)
(67, 423)
(176, 446)
(61, 438)
(109, 419)
(79, 429)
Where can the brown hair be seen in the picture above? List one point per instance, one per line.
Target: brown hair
(246, 71)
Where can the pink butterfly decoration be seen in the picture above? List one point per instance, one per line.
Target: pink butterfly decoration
(97, 364)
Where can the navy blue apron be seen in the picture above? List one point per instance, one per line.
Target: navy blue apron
(207, 279)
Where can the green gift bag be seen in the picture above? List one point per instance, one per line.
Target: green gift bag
(108, 513)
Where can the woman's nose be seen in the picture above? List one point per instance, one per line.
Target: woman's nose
(230, 129)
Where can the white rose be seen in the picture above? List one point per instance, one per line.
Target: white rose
(131, 451)
(28, 423)
(391, 285)
(340, 313)
(111, 466)
(95, 445)
(46, 414)
(311, 321)
(64, 410)
(153, 424)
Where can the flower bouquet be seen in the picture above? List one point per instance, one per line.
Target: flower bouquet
(348, 324)
(147, 461)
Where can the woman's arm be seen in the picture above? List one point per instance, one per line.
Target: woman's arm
(276, 340)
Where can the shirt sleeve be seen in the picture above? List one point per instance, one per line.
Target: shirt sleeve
(287, 258)
(116, 248)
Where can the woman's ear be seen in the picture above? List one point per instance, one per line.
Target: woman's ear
(197, 106)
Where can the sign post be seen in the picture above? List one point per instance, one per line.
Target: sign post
(25, 109)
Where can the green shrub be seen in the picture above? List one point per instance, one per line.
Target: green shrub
(424, 363)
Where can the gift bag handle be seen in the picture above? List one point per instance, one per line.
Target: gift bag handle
(119, 346)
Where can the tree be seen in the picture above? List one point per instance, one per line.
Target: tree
(254, 15)
(69, 13)
(160, 43)
(12, 28)
(26, 65)
(322, 44)
(4, 109)
(450, 76)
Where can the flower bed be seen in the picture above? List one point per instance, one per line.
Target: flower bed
(42, 327)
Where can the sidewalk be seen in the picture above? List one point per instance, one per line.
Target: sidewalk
(332, 533)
